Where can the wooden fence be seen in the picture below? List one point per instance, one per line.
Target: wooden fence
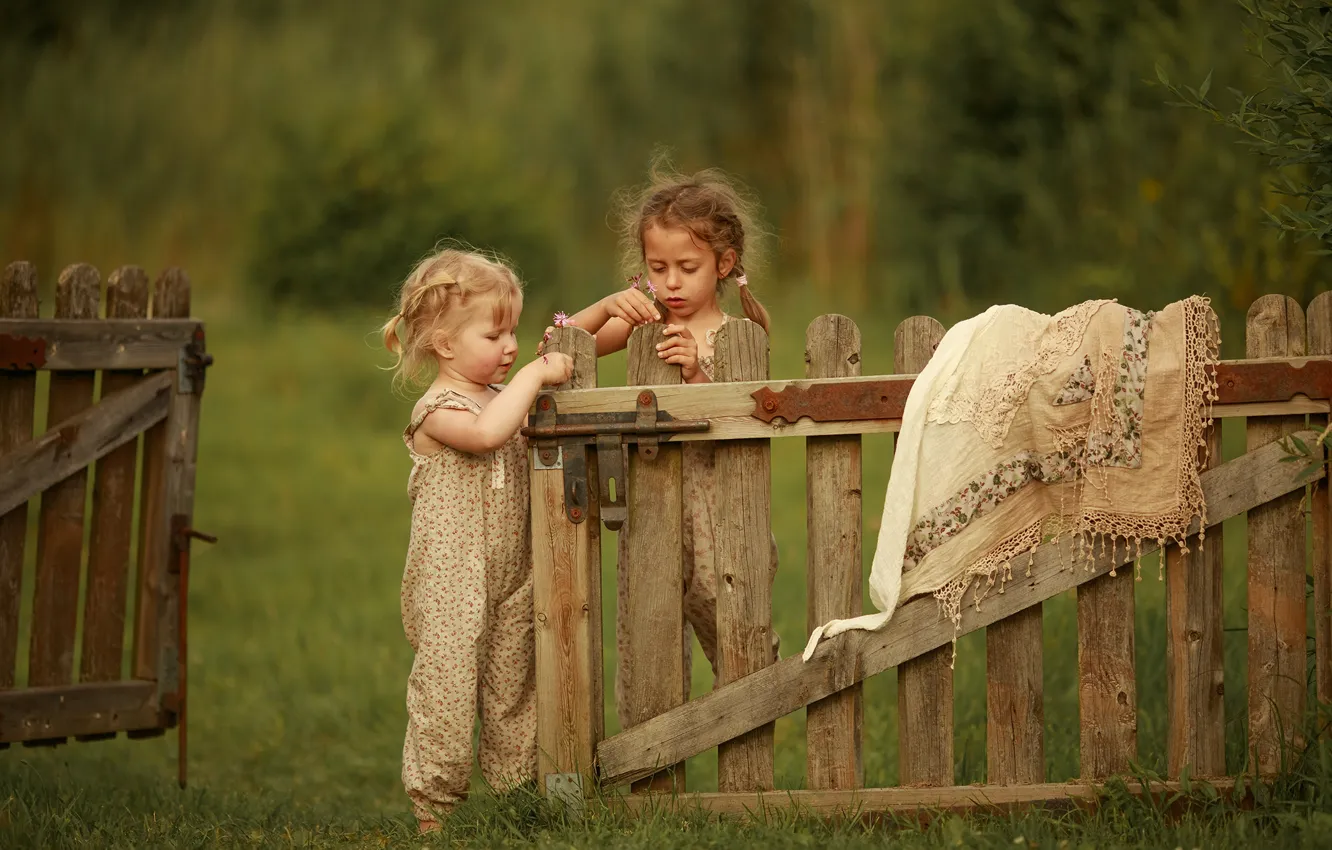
(589, 443)
(120, 666)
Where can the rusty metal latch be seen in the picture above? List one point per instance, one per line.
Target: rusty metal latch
(561, 440)
(181, 535)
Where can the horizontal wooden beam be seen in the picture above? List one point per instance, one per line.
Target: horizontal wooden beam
(79, 344)
(916, 628)
(873, 404)
(78, 441)
(38, 714)
(950, 799)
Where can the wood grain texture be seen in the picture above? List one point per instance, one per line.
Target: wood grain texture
(1015, 700)
(833, 511)
(653, 577)
(743, 552)
(916, 628)
(1195, 681)
(925, 683)
(910, 802)
(60, 525)
(178, 479)
(91, 709)
(18, 391)
(1107, 680)
(730, 408)
(113, 508)
(1275, 328)
(1319, 318)
(171, 300)
(70, 445)
(566, 579)
(116, 342)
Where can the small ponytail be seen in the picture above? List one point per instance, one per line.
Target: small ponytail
(754, 311)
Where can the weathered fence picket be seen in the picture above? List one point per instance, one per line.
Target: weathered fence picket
(1319, 319)
(924, 684)
(833, 725)
(743, 551)
(654, 676)
(1275, 328)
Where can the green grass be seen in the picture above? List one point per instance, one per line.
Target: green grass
(298, 664)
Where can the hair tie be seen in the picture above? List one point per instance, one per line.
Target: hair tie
(742, 281)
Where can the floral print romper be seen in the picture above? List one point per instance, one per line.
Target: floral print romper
(467, 612)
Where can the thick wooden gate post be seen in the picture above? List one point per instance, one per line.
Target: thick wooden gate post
(154, 615)
(650, 608)
(18, 300)
(924, 684)
(1275, 328)
(566, 587)
(833, 725)
(1320, 342)
(744, 560)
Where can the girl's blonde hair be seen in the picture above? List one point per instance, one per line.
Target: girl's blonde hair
(437, 300)
(711, 206)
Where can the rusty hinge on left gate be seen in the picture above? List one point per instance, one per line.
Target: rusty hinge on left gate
(560, 441)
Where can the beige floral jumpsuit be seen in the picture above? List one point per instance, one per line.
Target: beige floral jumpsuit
(467, 612)
(699, 485)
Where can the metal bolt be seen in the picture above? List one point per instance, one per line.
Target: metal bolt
(770, 405)
(645, 398)
(575, 513)
(545, 404)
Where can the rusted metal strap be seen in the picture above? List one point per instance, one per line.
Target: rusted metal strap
(22, 352)
(1238, 382)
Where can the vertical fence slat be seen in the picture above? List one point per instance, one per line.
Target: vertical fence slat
(171, 300)
(743, 548)
(60, 526)
(1320, 342)
(1275, 328)
(566, 584)
(1107, 682)
(178, 474)
(112, 510)
(924, 684)
(1195, 696)
(650, 609)
(18, 300)
(1015, 700)
(833, 473)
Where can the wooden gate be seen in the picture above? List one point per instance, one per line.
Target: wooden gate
(578, 432)
(91, 668)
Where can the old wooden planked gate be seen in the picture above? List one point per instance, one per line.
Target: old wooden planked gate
(585, 438)
(100, 598)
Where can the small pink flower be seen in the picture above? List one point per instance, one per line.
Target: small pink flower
(634, 279)
(563, 320)
(651, 287)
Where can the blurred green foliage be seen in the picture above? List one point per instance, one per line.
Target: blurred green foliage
(1288, 121)
(927, 155)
